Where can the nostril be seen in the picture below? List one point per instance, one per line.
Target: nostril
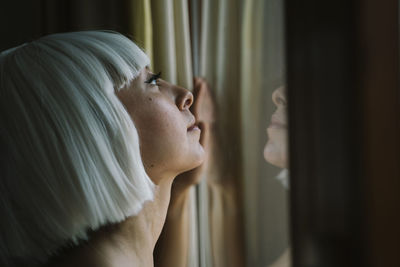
(187, 103)
(186, 100)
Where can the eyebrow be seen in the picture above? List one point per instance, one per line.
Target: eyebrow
(149, 72)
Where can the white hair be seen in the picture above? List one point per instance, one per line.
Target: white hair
(69, 151)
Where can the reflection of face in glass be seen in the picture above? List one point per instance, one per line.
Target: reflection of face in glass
(275, 151)
(169, 139)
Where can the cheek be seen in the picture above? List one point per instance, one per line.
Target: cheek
(278, 136)
(160, 132)
(275, 151)
(161, 122)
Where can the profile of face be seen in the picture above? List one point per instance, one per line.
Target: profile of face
(169, 138)
(275, 151)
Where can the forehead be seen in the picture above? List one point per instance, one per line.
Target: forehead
(139, 81)
(143, 74)
(141, 77)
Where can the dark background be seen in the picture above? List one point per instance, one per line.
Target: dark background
(24, 21)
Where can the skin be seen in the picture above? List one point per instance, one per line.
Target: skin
(160, 112)
(173, 245)
(276, 151)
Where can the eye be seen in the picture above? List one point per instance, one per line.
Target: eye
(153, 79)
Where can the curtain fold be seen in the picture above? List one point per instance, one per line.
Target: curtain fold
(250, 101)
(262, 71)
(171, 41)
(219, 63)
(141, 25)
(164, 39)
(184, 66)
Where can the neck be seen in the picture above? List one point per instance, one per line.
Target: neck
(126, 244)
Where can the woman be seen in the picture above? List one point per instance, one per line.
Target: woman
(91, 141)
(276, 151)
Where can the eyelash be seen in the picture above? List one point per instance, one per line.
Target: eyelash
(153, 78)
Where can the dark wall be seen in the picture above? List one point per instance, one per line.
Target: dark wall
(23, 21)
(19, 22)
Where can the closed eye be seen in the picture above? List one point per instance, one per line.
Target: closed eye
(153, 79)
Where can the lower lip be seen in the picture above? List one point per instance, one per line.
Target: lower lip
(195, 128)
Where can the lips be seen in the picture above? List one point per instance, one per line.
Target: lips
(192, 125)
(276, 123)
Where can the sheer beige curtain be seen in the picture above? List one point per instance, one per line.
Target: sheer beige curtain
(141, 25)
(162, 27)
(219, 242)
(215, 37)
(262, 71)
(241, 46)
(241, 55)
(219, 63)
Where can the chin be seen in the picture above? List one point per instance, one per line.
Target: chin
(198, 157)
(273, 156)
(192, 160)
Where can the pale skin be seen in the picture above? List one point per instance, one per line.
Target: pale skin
(170, 145)
(276, 152)
(173, 246)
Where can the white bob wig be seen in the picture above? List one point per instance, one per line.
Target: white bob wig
(69, 152)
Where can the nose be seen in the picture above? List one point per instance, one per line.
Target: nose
(279, 98)
(184, 99)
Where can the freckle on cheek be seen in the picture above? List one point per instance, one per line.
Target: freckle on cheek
(150, 99)
(151, 165)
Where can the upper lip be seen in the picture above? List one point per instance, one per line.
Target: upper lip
(276, 121)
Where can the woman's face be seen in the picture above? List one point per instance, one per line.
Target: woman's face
(275, 151)
(169, 141)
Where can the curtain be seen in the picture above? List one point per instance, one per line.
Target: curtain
(237, 47)
(141, 25)
(262, 71)
(202, 37)
(171, 41)
(219, 63)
